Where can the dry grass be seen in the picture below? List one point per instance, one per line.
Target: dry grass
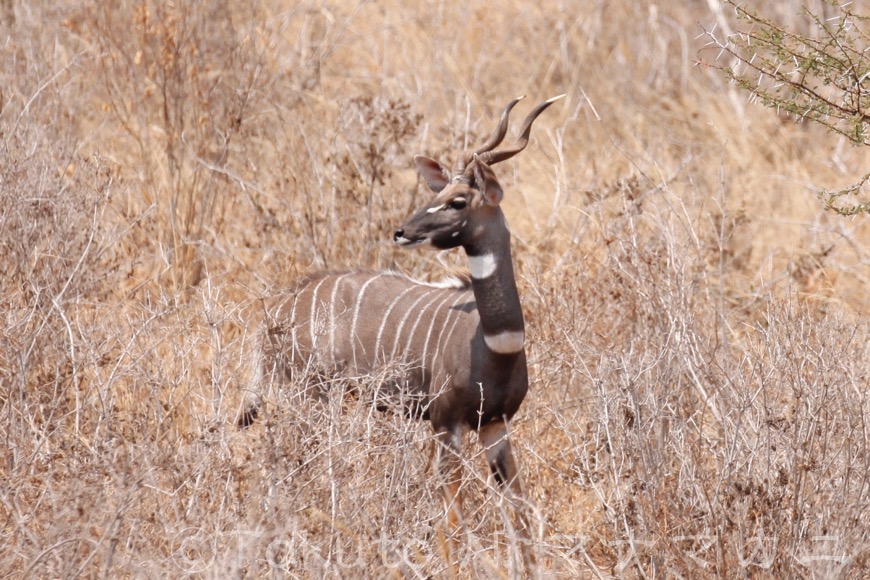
(698, 338)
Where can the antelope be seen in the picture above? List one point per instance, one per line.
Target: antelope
(459, 348)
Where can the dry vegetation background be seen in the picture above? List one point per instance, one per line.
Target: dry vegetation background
(697, 323)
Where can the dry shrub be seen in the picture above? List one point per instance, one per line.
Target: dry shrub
(696, 439)
(374, 466)
(697, 345)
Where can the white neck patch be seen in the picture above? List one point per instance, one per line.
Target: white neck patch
(507, 342)
(481, 266)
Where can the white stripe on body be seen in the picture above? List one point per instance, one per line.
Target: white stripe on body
(377, 352)
(432, 326)
(293, 329)
(356, 309)
(417, 323)
(458, 314)
(313, 315)
(332, 316)
(404, 320)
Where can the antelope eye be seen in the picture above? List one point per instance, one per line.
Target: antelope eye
(458, 203)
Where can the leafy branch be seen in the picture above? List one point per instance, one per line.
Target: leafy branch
(820, 76)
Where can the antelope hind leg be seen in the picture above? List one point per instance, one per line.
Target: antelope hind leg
(448, 463)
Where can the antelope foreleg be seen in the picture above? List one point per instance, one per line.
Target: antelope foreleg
(494, 439)
(496, 445)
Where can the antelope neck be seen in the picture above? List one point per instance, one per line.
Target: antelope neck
(495, 291)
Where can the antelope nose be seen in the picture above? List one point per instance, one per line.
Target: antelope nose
(399, 234)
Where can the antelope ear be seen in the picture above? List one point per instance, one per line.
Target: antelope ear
(487, 184)
(436, 175)
(493, 192)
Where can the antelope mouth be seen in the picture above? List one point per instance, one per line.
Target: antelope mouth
(399, 238)
(403, 241)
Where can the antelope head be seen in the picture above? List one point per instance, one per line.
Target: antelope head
(468, 197)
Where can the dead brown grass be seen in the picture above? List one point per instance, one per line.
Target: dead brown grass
(698, 338)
